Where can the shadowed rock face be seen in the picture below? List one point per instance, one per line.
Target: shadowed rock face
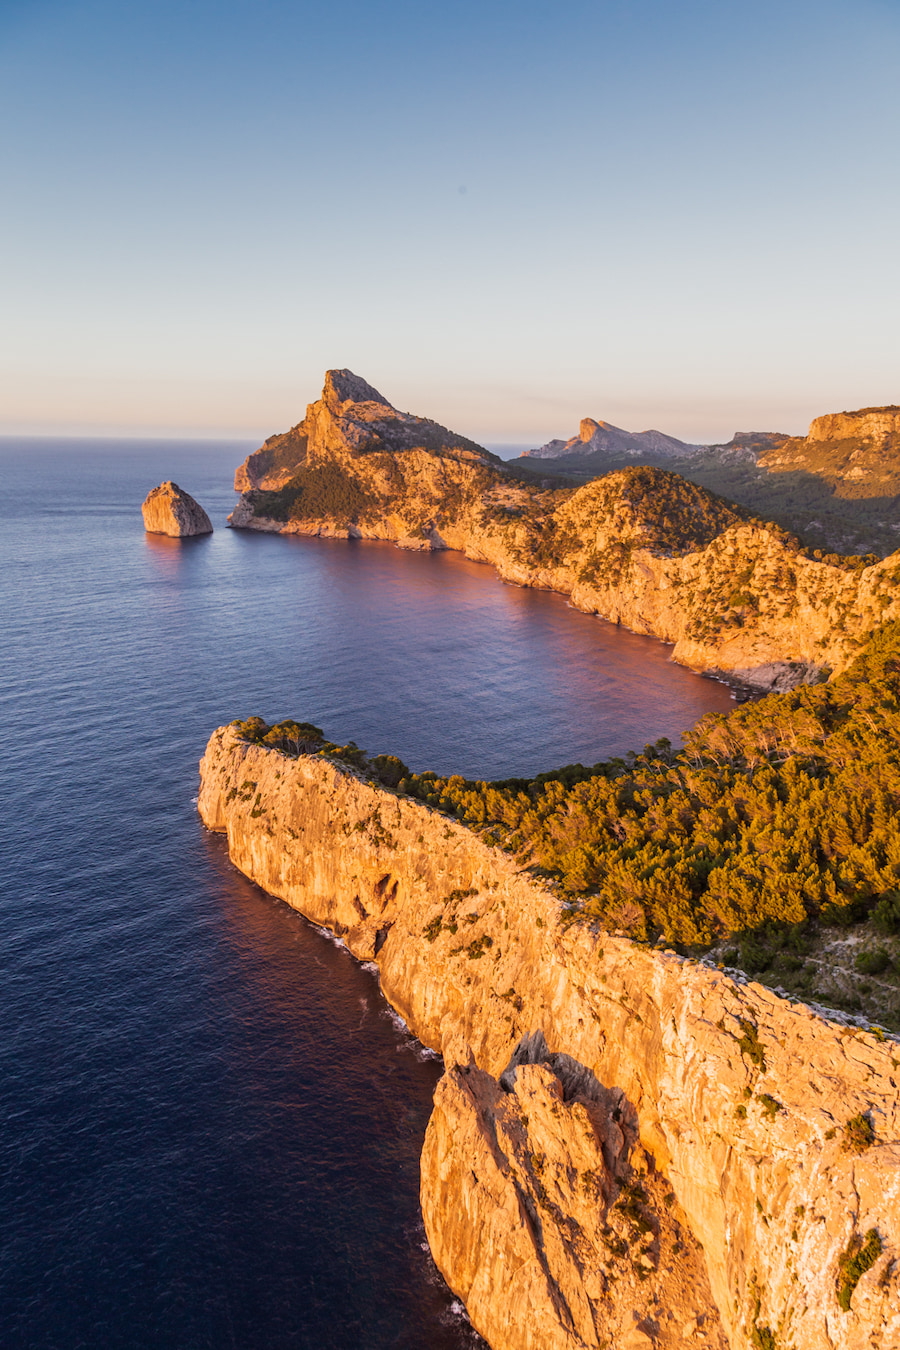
(170, 510)
(554, 1224)
(649, 1068)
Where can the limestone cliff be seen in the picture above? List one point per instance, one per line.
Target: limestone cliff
(857, 453)
(641, 547)
(168, 509)
(657, 1073)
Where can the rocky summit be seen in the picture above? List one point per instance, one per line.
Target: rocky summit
(350, 420)
(168, 509)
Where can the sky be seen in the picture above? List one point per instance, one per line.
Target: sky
(505, 216)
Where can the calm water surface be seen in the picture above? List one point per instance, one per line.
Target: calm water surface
(211, 1121)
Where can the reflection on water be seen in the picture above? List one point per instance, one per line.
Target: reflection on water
(212, 1124)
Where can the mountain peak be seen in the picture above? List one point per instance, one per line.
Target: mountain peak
(342, 386)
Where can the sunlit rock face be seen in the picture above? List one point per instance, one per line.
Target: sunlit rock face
(170, 510)
(649, 1070)
(858, 453)
(351, 419)
(551, 1221)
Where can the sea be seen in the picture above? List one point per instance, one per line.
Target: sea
(211, 1119)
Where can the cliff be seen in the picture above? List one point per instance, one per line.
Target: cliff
(168, 509)
(664, 1109)
(856, 453)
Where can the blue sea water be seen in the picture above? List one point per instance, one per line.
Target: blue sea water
(211, 1121)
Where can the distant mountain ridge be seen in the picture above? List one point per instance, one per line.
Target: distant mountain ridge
(838, 487)
(602, 438)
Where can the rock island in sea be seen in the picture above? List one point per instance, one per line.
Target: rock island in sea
(168, 509)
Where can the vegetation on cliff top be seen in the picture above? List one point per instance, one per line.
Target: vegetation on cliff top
(783, 813)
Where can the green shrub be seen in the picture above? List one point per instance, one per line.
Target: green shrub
(857, 1257)
(751, 1046)
(873, 963)
(859, 1134)
(316, 492)
(886, 914)
(769, 1104)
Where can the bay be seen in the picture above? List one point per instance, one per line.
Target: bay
(211, 1119)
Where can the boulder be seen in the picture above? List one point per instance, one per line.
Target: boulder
(168, 509)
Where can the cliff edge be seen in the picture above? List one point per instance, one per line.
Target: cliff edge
(550, 1159)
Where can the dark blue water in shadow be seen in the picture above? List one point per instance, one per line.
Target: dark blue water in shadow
(211, 1122)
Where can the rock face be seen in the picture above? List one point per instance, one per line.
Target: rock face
(858, 453)
(168, 509)
(557, 1228)
(652, 1071)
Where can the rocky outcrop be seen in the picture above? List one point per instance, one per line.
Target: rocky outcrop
(555, 1226)
(732, 1100)
(868, 424)
(168, 509)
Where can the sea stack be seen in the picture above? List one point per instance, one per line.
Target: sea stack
(170, 510)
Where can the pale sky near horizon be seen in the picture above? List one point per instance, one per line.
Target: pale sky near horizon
(506, 216)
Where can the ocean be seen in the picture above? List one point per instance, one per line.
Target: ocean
(211, 1118)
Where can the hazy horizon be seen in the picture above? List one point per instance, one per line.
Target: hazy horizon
(506, 218)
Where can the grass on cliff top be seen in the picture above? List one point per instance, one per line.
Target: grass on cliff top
(774, 821)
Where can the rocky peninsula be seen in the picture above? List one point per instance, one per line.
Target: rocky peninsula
(644, 547)
(628, 1147)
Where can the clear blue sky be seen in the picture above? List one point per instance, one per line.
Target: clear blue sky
(505, 215)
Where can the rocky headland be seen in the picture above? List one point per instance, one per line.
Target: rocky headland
(168, 509)
(628, 1147)
(641, 546)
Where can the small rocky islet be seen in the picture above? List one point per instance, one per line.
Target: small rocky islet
(630, 1146)
(169, 510)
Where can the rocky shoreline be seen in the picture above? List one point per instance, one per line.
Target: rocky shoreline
(627, 1147)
